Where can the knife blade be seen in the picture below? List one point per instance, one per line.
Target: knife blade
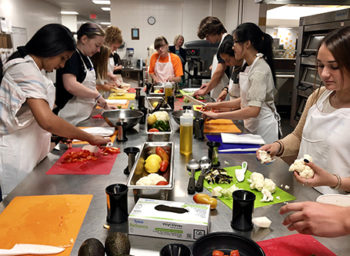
(190, 98)
(36, 249)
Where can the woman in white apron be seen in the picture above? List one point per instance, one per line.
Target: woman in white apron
(228, 55)
(212, 29)
(256, 103)
(164, 65)
(76, 94)
(26, 101)
(323, 130)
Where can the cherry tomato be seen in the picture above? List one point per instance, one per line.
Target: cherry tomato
(162, 183)
(205, 199)
(218, 253)
(153, 130)
(234, 253)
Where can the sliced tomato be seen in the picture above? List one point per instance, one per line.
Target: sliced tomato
(153, 130)
(218, 253)
(234, 253)
(110, 150)
(162, 183)
(79, 156)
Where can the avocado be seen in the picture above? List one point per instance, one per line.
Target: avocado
(117, 244)
(91, 247)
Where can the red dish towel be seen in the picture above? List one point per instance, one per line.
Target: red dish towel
(102, 166)
(294, 245)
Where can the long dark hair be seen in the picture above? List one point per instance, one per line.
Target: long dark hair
(261, 41)
(226, 47)
(50, 40)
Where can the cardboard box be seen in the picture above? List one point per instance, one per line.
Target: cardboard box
(168, 219)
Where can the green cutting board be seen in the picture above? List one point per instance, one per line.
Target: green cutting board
(283, 195)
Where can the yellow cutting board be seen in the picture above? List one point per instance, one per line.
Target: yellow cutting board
(126, 96)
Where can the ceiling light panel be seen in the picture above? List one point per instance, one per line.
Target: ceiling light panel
(107, 9)
(69, 13)
(101, 1)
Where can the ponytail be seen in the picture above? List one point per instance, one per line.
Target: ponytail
(261, 42)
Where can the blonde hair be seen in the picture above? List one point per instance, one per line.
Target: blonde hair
(113, 35)
(177, 38)
(100, 61)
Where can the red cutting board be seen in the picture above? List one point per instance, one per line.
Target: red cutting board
(294, 245)
(102, 166)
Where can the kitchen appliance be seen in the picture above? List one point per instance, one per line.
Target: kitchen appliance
(199, 57)
(129, 57)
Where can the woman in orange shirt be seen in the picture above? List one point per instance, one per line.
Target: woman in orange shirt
(164, 66)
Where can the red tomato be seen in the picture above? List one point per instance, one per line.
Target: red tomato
(153, 130)
(234, 253)
(164, 165)
(218, 253)
(162, 183)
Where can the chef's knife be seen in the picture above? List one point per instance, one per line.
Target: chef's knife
(36, 249)
(190, 98)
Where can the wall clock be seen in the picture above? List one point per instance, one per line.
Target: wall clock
(151, 20)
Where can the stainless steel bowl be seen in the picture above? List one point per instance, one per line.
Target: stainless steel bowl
(176, 115)
(130, 116)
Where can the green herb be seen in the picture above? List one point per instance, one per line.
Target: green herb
(161, 125)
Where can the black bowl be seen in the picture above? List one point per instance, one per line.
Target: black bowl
(226, 242)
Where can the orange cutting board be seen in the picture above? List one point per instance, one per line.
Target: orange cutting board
(220, 125)
(48, 220)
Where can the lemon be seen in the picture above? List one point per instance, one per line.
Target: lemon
(152, 166)
(156, 91)
(154, 158)
(154, 104)
(151, 119)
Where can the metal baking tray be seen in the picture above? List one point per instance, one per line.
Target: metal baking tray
(157, 87)
(158, 136)
(151, 100)
(138, 171)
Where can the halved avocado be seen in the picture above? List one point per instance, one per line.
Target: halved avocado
(91, 247)
(117, 244)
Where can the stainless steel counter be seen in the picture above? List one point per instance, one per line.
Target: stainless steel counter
(38, 183)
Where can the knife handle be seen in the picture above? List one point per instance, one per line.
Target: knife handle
(191, 186)
(199, 184)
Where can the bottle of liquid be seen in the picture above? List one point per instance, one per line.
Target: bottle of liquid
(186, 133)
(168, 90)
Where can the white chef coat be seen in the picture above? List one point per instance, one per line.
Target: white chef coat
(78, 109)
(215, 92)
(23, 143)
(326, 139)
